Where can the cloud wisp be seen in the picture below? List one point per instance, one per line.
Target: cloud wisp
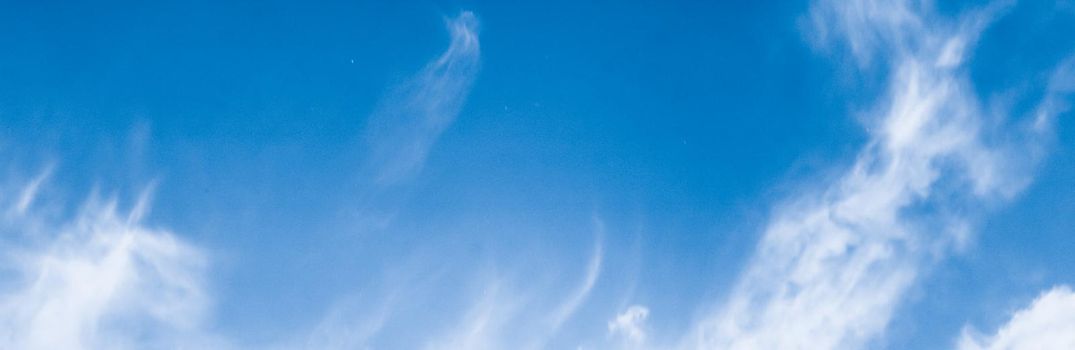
(832, 266)
(497, 310)
(412, 117)
(630, 325)
(405, 126)
(29, 193)
(507, 315)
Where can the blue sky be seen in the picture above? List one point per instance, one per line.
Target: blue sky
(559, 175)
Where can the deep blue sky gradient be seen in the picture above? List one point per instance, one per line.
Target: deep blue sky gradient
(676, 125)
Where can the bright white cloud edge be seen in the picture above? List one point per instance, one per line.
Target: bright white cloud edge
(1047, 324)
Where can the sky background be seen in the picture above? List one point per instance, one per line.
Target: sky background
(561, 175)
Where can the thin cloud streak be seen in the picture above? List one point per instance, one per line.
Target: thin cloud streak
(503, 310)
(412, 117)
(400, 133)
(507, 315)
(29, 192)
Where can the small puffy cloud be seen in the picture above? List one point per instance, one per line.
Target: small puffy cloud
(498, 308)
(630, 324)
(1047, 324)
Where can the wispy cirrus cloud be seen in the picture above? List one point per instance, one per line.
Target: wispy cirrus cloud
(500, 309)
(413, 115)
(29, 192)
(833, 265)
(402, 130)
(1047, 324)
(829, 271)
(512, 314)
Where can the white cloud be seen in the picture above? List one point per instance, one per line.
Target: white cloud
(403, 129)
(1048, 324)
(411, 118)
(630, 324)
(347, 326)
(832, 266)
(102, 280)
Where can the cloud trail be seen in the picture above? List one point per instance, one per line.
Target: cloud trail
(402, 130)
(496, 309)
(1047, 324)
(506, 315)
(832, 266)
(1061, 84)
(500, 312)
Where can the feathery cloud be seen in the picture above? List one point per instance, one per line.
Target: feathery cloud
(506, 315)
